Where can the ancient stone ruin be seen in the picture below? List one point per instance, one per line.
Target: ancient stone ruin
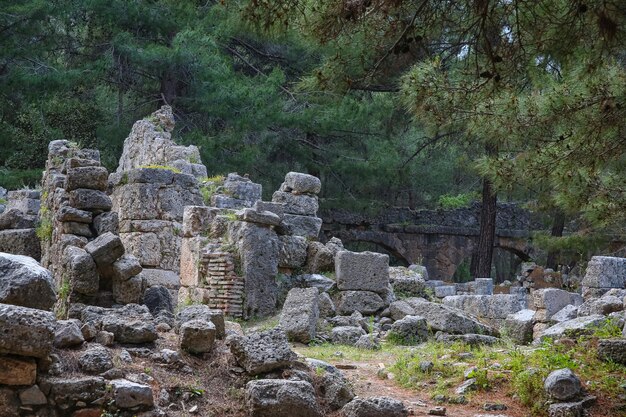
(146, 273)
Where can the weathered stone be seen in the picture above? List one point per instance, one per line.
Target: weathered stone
(68, 334)
(326, 306)
(346, 335)
(17, 371)
(261, 217)
(574, 409)
(95, 360)
(571, 328)
(563, 385)
(67, 392)
(519, 326)
(158, 298)
(79, 229)
(90, 177)
(9, 403)
(469, 339)
(71, 214)
(197, 336)
(364, 271)
(447, 319)
(20, 242)
(81, 270)
(26, 331)
(613, 350)
(24, 282)
(605, 272)
(107, 222)
(293, 251)
(105, 249)
(258, 248)
(262, 352)
(162, 277)
(15, 219)
(129, 291)
(303, 205)
(300, 314)
(92, 200)
(105, 338)
(490, 307)
(300, 183)
(197, 220)
(129, 394)
(400, 309)
(552, 300)
(406, 282)
(365, 302)
(568, 312)
(136, 201)
(336, 391)
(296, 225)
(445, 291)
(130, 324)
(33, 396)
(281, 398)
(374, 407)
(604, 305)
(410, 330)
(125, 267)
(204, 313)
(321, 257)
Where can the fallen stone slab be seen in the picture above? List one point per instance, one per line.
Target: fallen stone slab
(203, 312)
(197, 336)
(365, 302)
(571, 328)
(362, 271)
(374, 407)
(300, 314)
(447, 319)
(129, 394)
(613, 350)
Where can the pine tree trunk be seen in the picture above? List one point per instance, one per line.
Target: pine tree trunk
(558, 224)
(481, 262)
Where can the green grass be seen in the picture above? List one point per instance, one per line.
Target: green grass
(166, 167)
(335, 353)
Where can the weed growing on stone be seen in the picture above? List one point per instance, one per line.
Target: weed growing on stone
(166, 167)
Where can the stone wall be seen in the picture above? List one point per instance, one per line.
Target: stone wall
(78, 235)
(18, 221)
(150, 144)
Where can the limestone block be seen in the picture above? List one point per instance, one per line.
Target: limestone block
(26, 331)
(17, 371)
(89, 177)
(300, 313)
(24, 282)
(78, 229)
(605, 272)
(190, 251)
(445, 291)
(300, 183)
(552, 300)
(145, 246)
(281, 398)
(365, 302)
(204, 313)
(260, 217)
(276, 208)
(363, 271)
(136, 201)
(129, 394)
(106, 222)
(293, 251)
(105, 249)
(306, 226)
(519, 326)
(128, 291)
(197, 336)
(71, 214)
(483, 286)
(92, 200)
(150, 176)
(262, 352)
(197, 220)
(304, 205)
(81, 270)
(20, 242)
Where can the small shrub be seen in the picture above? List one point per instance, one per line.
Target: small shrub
(449, 201)
(44, 229)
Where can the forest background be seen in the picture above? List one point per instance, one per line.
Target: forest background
(423, 104)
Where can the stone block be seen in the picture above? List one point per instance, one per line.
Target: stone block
(190, 259)
(447, 319)
(445, 291)
(33, 396)
(261, 217)
(158, 299)
(162, 277)
(78, 229)
(571, 328)
(613, 350)
(197, 220)
(604, 305)
(128, 291)
(519, 326)
(89, 177)
(26, 331)
(552, 300)
(20, 242)
(300, 313)
(145, 246)
(150, 176)
(410, 329)
(293, 251)
(375, 406)
(362, 271)
(303, 205)
(23, 282)
(262, 352)
(276, 208)
(105, 249)
(125, 267)
(197, 336)
(605, 272)
(483, 286)
(17, 371)
(68, 334)
(127, 394)
(92, 200)
(365, 302)
(346, 335)
(71, 214)
(106, 222)
(300, 183)
(306, 226)
(563, 385)
(281, 398)
(204, 313)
